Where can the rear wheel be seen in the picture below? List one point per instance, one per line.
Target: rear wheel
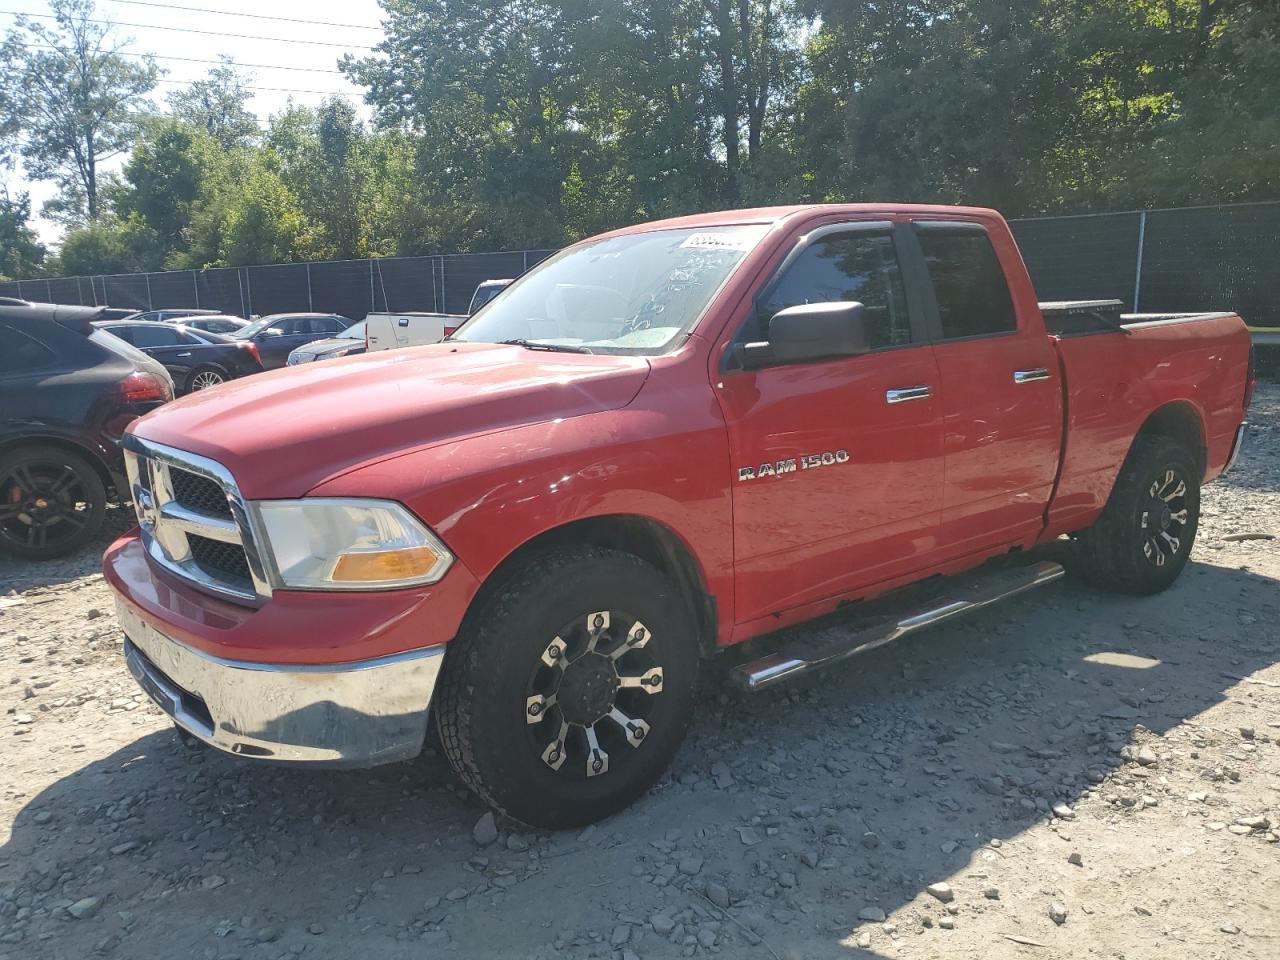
(203, 378)
(568, 692)
(52, 502)
(1144, 537)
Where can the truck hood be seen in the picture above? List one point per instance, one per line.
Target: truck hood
(282, 433)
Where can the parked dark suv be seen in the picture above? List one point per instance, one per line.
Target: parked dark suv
(67, 391)
(280, 334)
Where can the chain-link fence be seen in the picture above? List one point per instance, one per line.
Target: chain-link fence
(441, 284)
(1195, 258)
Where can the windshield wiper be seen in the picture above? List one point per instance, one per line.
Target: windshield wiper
(540, 345)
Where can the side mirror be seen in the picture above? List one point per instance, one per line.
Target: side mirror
(271, 332)
(809, 331)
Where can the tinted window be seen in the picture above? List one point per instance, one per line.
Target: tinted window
(19, 353)
(153, 336)
(973, 296)
(847, 267)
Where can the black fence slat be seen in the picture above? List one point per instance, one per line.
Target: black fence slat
(1081, 258)
(1213, 259)
(279, 288)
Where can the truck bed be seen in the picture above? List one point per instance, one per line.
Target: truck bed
(1115, 374)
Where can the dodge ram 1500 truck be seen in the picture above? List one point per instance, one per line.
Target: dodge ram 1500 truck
(659, 443)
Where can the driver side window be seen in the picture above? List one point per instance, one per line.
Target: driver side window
(845, 267)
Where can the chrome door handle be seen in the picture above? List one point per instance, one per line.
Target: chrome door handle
(187, 354)
(903, 394)
(1031, 376)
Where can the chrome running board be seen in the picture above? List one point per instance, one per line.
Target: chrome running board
(965, 596)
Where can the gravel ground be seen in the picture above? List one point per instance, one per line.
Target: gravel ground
(1073, 774)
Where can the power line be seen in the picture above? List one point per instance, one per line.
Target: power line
(219, 63)
(255, 16)
(211, 33)
(249, 86)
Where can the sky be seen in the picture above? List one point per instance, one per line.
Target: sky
(295, 62)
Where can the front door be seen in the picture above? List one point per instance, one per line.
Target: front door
(838, 463)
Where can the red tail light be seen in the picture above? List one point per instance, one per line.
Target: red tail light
(253, 350)
(450, 331)
(143, 387)
(1250, 378)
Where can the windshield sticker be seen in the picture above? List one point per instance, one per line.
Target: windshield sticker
(718, 241)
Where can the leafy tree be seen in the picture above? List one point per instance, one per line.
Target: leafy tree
(21, 254)
(108, 245)
(218, 106)
(167, 171)
(73, 99)
(265, 224)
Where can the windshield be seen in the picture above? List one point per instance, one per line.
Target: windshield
(634, 294)
(252, 329)
(353, 332)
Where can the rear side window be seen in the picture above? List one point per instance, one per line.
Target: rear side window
(968, 282)
(853, 266)
(154, 336)
(21, 353)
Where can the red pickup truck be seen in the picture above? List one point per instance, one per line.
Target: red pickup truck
(661, 442)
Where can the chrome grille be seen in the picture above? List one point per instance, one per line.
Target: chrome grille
(194, 521)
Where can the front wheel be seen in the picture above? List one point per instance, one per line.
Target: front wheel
(568, 692)
(1144, 537)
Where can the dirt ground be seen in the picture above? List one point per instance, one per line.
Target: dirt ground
(1071, 775)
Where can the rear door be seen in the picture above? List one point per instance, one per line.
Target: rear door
(837, 463)
(166, 343)
(1002, 399)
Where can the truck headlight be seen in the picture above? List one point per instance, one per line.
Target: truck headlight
(336, 543)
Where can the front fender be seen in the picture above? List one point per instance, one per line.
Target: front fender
(488, 495)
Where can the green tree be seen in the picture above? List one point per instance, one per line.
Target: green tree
(265, 224)
(218, 105)
(163, 178)
(108, 245)
(21, 253)
(325, 161)
(72, 99)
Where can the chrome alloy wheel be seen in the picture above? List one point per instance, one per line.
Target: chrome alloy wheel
(590, 693)
(206, 379)
(1164, 518)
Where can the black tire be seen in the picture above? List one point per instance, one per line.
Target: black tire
(52, 502)
(1145, 534)
(202, 378)
(483, 701)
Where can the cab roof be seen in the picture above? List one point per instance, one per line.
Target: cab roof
(772, 215)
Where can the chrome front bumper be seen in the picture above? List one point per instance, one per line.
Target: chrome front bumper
(354, 714)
